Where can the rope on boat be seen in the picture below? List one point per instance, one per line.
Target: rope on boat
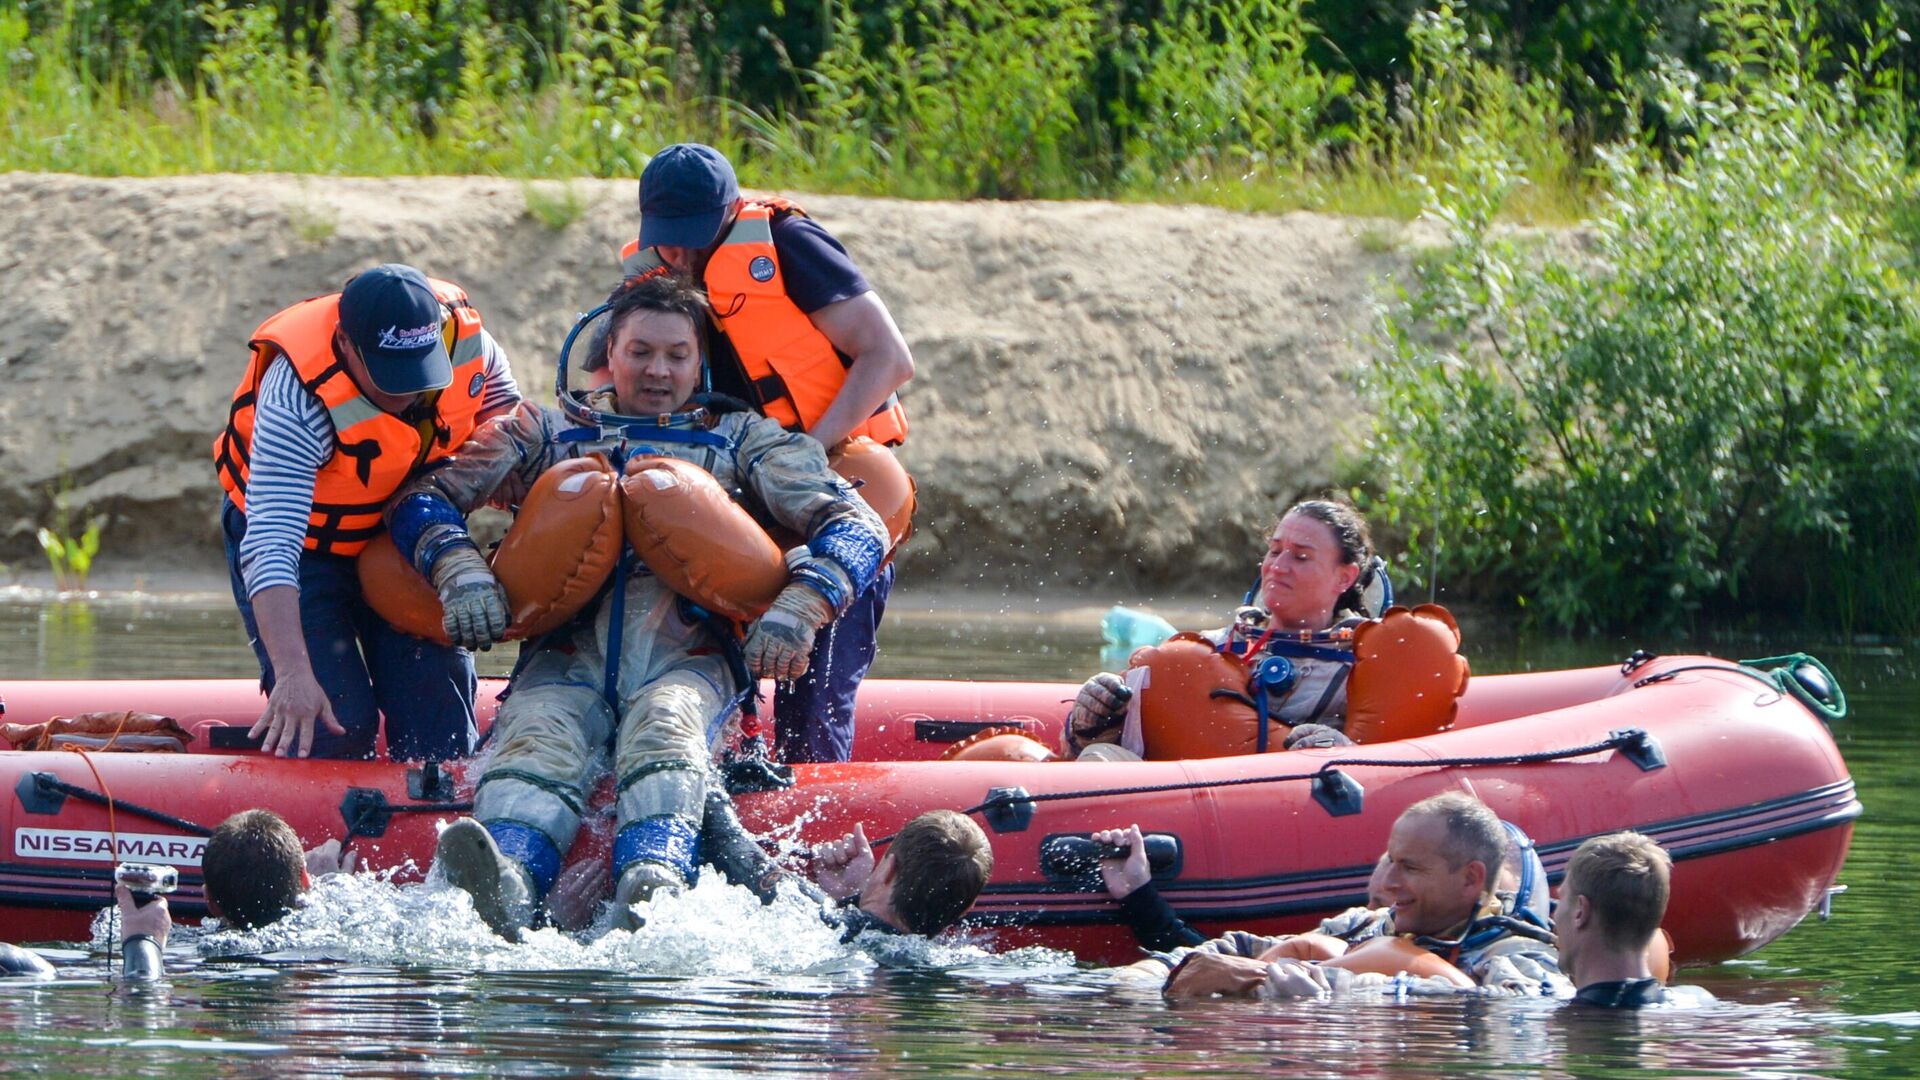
(1800, 676)
(50, 782)
(1615, 740)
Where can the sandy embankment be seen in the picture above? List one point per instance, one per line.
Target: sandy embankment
(1109, 397)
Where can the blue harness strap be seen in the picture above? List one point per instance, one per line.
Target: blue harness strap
(731, 649)
(643, 434)
(617, 617)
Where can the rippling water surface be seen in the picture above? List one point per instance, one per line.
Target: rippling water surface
(377, 980)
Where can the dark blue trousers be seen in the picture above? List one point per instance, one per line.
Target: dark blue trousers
(366, 667)
(813, 715)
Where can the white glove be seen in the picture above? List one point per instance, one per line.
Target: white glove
(474, 606)
(778, 645)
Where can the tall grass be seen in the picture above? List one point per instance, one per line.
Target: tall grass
(1212, 100)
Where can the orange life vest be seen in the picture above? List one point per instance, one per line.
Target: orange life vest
(374, 451)
(795, 372)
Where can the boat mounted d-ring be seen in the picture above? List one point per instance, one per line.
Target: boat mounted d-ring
(1640, 748)
(1007, 809)
(1338, 793)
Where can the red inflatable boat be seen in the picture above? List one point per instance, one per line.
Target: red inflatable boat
(1734, 775)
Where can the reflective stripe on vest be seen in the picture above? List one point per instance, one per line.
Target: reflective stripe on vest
(374, 451)
(793, 370)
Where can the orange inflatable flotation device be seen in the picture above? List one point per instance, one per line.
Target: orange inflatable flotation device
(1393, 955)
(999, 744)
(551, 562)
(1195, 702)
(562, 546)
(398, 593)
(1408, 675)
(566, 541)
(880, 479)
(1660, 955)
(699, 541)
(1313, 947)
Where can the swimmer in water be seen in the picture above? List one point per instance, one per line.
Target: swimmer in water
(926, 881)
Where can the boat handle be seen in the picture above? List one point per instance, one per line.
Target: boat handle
(1075, 857)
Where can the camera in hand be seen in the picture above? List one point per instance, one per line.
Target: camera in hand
(146, 880)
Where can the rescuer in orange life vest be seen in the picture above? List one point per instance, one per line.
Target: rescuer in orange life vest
(812, 346)
(345, 397)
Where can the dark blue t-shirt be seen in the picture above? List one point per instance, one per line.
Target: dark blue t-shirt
(816, 269)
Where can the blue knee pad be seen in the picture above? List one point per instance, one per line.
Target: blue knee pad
(670, 841)
(530, 848)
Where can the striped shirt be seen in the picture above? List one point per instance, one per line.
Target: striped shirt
(292, 438)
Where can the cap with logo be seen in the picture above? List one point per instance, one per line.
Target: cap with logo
(686, 192)
(392, 316)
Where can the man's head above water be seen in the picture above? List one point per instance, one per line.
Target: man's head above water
(255, 870)
(1443, 858)
(929, 877)
(654, 344)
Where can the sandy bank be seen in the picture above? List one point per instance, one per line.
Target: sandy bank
(1109, 396)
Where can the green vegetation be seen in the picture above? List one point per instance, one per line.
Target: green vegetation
(313, 222)
(1257, 104)
(554, 205)
(1252, 104)
(1713, 403)
(70, 556)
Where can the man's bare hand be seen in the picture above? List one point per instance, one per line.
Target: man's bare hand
(152, 919)
(328, 859)
(1123, 877)
(297, 702)
(841, 867)
(577, 894)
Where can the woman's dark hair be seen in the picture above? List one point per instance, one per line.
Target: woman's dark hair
(1350, 531)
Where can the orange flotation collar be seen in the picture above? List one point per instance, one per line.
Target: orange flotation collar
(1002, 743)
(1408, 675)
(1199, 700)
(567, 538)
(1396, 956)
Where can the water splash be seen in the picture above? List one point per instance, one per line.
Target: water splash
(711, 930)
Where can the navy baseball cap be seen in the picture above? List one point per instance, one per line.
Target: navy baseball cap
(392, 316)
(685, 194)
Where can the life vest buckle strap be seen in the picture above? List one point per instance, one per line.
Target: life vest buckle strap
(770, 387)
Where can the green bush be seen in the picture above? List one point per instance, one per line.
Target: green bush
(1712, 403)
(1227, 88)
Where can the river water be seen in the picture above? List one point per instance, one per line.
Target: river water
(376, 980)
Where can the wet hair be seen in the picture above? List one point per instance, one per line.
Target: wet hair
(1354, 538)
(1473, 831)
(669, 292)
(254, 868)
(941, 861)
(1625, 877)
